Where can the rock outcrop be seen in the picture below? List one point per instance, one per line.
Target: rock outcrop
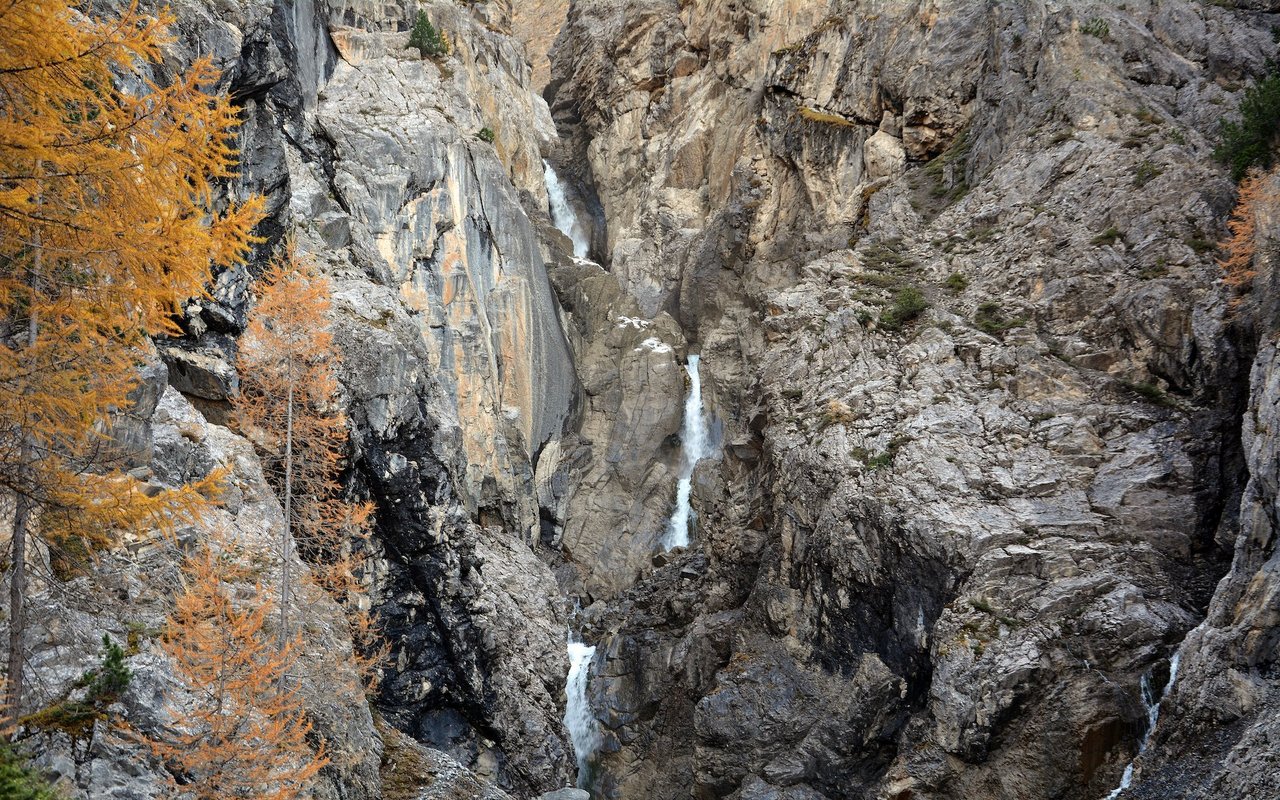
(402, 176)
(126, 596)
(947, 270)
(1219, 726)
(976, 385)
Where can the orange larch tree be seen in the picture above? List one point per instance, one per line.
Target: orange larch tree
(108, 220)
(288, 406)
(247, 735)
(1253, 200)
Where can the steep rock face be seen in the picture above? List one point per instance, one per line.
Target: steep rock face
(127, 595)
(535, 24)
(455, 370)
(940, 553)
(457, 373)
(1219, 725)
(606, 487)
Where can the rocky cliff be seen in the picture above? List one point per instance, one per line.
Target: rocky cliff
(947, 267)
(993, 442)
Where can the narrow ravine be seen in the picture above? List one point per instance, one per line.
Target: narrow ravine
(578, 717)
(562, 212)
(1152, 704)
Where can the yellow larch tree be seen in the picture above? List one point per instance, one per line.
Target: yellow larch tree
(1241, 245)
(287, 405)
(246, 736)
(109, 218)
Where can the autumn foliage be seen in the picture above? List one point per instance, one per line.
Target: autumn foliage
(1241, 246)
(109, 218)
(288, 406)
(247, 735)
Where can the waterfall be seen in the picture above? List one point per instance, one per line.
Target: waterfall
(693, 448)
(1152, 704)
(578, 719)
(562, 213)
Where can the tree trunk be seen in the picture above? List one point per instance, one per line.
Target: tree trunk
(17, 610)
(22, 508)
(286, 539)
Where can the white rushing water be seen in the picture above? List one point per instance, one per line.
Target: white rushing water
(578, 719)
(1152, 703)
(562, 213)
(693, 447)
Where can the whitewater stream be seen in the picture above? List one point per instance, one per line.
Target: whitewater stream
(1152, 704)
(578, 719)
(562, 212)
(694, 447)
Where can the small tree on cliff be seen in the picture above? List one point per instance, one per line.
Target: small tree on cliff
(107, 222)
(247, 736)
(1255, 200)
(288, 406)
(424, 36)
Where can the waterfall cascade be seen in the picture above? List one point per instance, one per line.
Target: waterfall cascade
(578, 719)
(694, 447)
(562, 212)
(1152, 703)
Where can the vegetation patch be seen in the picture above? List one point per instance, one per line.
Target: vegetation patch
(886, 458)
(836, 412)
(1251, 141)
(1098, 28)
(908, 303)
(404, 770)
(1199, 244)
(991, 318)
(20, 781)
(429, 40)
(1145, 173)
(956, 282)
(1149, 391)
(982, 604)
(1109, 236)
(827, 118)
(1157, 270)
(887, 256)
(487, 135)
(102, 686)
(942, 181)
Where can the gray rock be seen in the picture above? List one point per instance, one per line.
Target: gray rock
(566, 794)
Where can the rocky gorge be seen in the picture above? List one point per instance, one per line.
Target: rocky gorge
(989, 445)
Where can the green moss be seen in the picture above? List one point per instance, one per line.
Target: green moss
(486, 134)
(956, 282)
(74, 718)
